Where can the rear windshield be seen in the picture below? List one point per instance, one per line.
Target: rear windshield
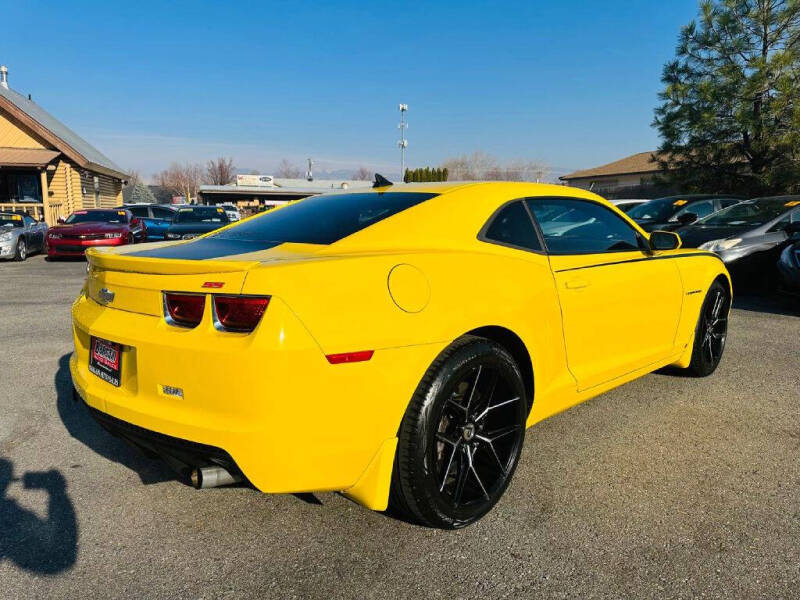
(323, 219)
(201, 214)
(11, 220)
(660, 209)
(98, 216)
(751, 213)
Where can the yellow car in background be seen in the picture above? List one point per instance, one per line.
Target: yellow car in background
(391, 344)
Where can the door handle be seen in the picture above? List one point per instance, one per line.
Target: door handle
(576, 284)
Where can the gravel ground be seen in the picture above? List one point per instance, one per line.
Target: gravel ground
(667, 487)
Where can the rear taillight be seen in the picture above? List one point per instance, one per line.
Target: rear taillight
(239, 313)
(184, 309)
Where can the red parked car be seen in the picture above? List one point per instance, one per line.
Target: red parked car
(91, 228)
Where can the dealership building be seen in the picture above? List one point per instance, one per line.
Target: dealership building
(254, 193)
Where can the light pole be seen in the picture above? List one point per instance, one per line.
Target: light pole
(403, 143)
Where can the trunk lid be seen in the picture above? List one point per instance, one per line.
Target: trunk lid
(133, 278)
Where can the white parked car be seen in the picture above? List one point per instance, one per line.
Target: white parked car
(231, 211)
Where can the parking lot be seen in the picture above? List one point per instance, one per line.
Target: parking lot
(666, 487)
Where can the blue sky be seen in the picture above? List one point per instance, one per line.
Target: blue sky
(572, 84)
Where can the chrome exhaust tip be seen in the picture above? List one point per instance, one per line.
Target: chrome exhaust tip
(211, 477)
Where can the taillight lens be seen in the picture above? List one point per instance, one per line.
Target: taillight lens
(185, 309)
(239, 313)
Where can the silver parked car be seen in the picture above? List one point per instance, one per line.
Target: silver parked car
(20, 235)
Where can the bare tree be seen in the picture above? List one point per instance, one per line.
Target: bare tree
(480, 166)
(362, 174)
(288, 171)
(220, 171)
(181, 179)
(133, 178)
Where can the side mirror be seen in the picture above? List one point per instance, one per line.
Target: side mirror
(687, 218)
(664, 240)
(60, 221)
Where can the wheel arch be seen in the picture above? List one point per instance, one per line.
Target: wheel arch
(518, 351)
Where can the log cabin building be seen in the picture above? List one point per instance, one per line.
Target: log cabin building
(46, 169)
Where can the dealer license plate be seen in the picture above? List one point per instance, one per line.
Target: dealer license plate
(105, 360)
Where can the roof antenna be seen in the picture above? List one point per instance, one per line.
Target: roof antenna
(381, 181)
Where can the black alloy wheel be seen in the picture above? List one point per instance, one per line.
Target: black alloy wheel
(461, 437)
(712, 331)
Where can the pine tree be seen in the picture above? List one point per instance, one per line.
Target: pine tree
(141, 194)
(729, 118)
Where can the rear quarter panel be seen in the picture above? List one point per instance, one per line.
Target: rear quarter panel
(347, 306)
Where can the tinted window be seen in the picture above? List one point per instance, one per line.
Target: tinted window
(323, 219)
(751, 213)
(201, 214)
(581, 227)
(139, 211)
(513, 226)
(11, 221)
(98, 216)
(162, 213)
(701, 209)
(726, 202)
(658, 210)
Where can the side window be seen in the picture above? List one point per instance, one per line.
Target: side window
(162, 213)
(701, 209)
(726, 202)
(512, 226)
(781, 225)
(29, 220)
(139, 211)
(571, 226)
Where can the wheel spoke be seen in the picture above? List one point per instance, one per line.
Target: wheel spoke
(449, 465)
(502, 432)
(461, 478)
(490, 445)
(492, 407)
(474, 387)
(443, 438)
(475, 473)
(454, 403)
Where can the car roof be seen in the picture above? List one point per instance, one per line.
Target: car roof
(453, 216)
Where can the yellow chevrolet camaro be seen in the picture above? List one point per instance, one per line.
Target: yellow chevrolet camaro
(392, 344)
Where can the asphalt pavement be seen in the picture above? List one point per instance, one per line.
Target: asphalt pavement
(668, 487)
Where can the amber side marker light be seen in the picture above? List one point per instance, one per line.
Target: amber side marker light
(349, 357)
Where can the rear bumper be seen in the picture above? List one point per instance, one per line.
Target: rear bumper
(288, 420)
(183, 455)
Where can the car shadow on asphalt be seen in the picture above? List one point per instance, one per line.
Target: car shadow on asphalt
(776, 304)
(41, 545)
(83, 428)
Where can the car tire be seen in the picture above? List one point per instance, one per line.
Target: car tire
(711, 332)
(461, 436)
(22, 250)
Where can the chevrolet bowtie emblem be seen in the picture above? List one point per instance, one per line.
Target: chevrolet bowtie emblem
(106, 295)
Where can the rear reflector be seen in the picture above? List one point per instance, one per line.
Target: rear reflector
(349, 357)
(239, 313)
(185, 309)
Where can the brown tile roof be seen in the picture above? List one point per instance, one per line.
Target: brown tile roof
(26, 157)
(643, 162)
